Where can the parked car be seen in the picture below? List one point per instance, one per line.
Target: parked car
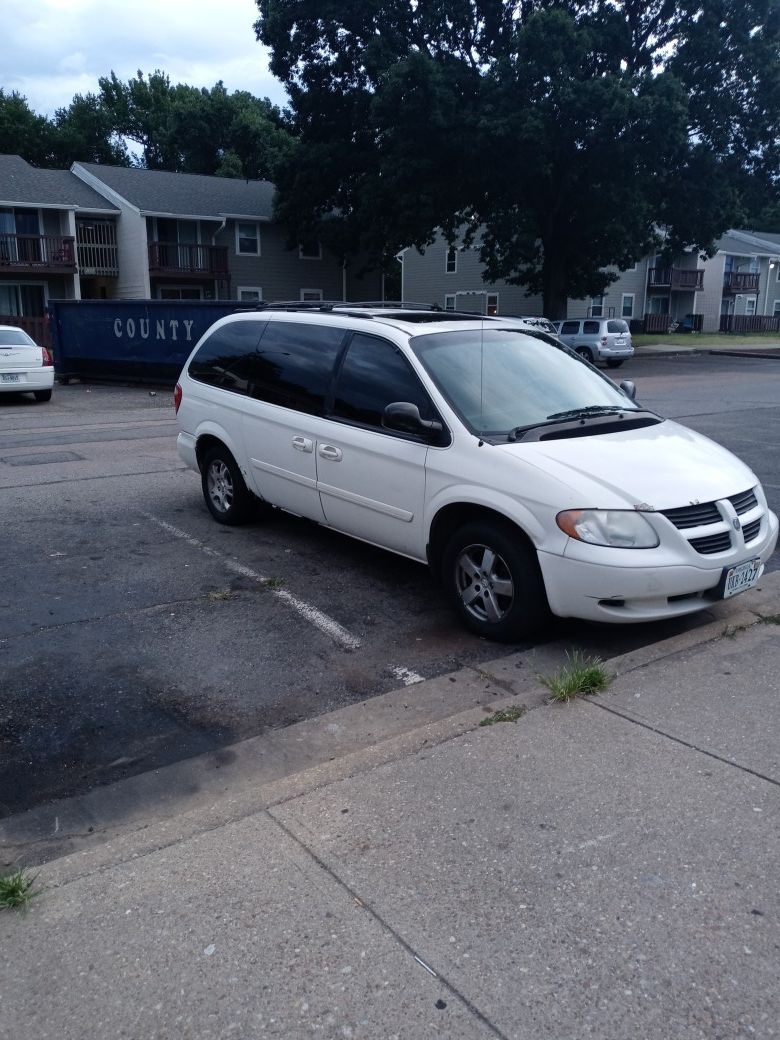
(527, 480)
(24, 366)
(598, 339)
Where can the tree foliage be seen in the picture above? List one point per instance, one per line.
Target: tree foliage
(196, 130)
(563, 134)
(172, 126)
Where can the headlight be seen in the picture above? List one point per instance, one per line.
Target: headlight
(621, 528)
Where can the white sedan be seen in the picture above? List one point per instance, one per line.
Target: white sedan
(24, 366)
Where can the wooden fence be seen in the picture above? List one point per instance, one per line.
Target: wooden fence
(38, 328)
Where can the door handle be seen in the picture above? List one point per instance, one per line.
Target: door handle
(329, 452)
(303, 444)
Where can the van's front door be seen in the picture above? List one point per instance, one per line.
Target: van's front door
(372, 481)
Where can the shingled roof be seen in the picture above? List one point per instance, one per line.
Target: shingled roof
(25, 185)
(185, 194)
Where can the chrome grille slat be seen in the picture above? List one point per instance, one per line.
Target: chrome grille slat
(751, 530)
(745, 502)
(713, 543)
(693, 516)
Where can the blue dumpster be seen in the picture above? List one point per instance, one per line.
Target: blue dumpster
(144, 341)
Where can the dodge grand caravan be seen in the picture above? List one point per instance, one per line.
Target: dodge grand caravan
(527, 480)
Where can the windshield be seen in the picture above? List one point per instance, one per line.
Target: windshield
(15, 338)
(499, 380)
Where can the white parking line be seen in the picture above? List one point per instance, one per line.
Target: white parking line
(407, 676)
(315, 617)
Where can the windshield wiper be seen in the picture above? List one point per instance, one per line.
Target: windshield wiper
(591, 409)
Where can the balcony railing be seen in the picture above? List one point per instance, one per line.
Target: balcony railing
(97, 248)
(171, 258)
(740, 282)
(678, 278)
(55, 253)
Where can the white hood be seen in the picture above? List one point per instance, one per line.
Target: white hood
(663, 466)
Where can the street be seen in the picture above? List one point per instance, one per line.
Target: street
(137, 632)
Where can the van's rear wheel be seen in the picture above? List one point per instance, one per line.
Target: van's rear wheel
(228, 499)
(492, 576)
(585, 352)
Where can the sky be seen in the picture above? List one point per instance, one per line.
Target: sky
(53, 49)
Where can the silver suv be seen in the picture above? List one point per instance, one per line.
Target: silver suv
(598, 339)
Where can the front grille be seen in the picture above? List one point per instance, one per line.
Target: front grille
(713, 543)
(693, 516)
(745, 502)
(751, 530)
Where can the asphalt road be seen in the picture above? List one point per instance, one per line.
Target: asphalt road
(134, 631)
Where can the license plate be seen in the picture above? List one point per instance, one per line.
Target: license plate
(10, 377)
(742, 576)
(620, 342)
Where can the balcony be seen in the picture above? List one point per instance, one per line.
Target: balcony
(184, 260)
(37, 254)
(678, 279)
(97, 248)
(740, 282)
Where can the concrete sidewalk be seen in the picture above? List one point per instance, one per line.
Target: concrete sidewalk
(605, 868)
(689, 345)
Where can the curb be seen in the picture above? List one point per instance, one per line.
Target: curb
(90, 832)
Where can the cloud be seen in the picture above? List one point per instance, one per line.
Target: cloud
(53, 49)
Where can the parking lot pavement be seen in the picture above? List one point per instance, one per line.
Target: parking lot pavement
(601, 868)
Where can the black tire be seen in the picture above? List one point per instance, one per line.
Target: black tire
(226, 495)
(42, 395)
(492, 576)
(585, 352)
(614, 362)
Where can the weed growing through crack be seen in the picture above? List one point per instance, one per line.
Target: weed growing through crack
(505, 715)
(771, 619)
(16, 890)
(219, 597)
(274, 583)
(582, 674)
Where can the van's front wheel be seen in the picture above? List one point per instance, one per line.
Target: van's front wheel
(492, 576)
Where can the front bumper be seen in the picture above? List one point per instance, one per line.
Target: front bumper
(642, 585)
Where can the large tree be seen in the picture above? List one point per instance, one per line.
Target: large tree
(561, 136)
(196, 130)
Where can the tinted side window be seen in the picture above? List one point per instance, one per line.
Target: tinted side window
(570, 328)
(617, 326)
(590, 328)
(225, 358)
(294, 365)
(374, 375)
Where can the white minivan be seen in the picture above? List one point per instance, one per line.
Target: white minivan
(527, 480)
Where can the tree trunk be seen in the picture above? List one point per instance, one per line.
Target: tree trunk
(554, 286)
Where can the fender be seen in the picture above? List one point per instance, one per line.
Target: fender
(209, 428)
(542, 537)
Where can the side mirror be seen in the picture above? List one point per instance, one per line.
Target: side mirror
(405, 418)
(629, 388)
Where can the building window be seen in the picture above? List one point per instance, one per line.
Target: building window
(596, 306)
(449, 302)
(250, 294)
(311, 294)
(247, 239)
(452, 260)
(627, 305)
(776, 310)
(310, 251)
(491, 307)
(750, 305)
